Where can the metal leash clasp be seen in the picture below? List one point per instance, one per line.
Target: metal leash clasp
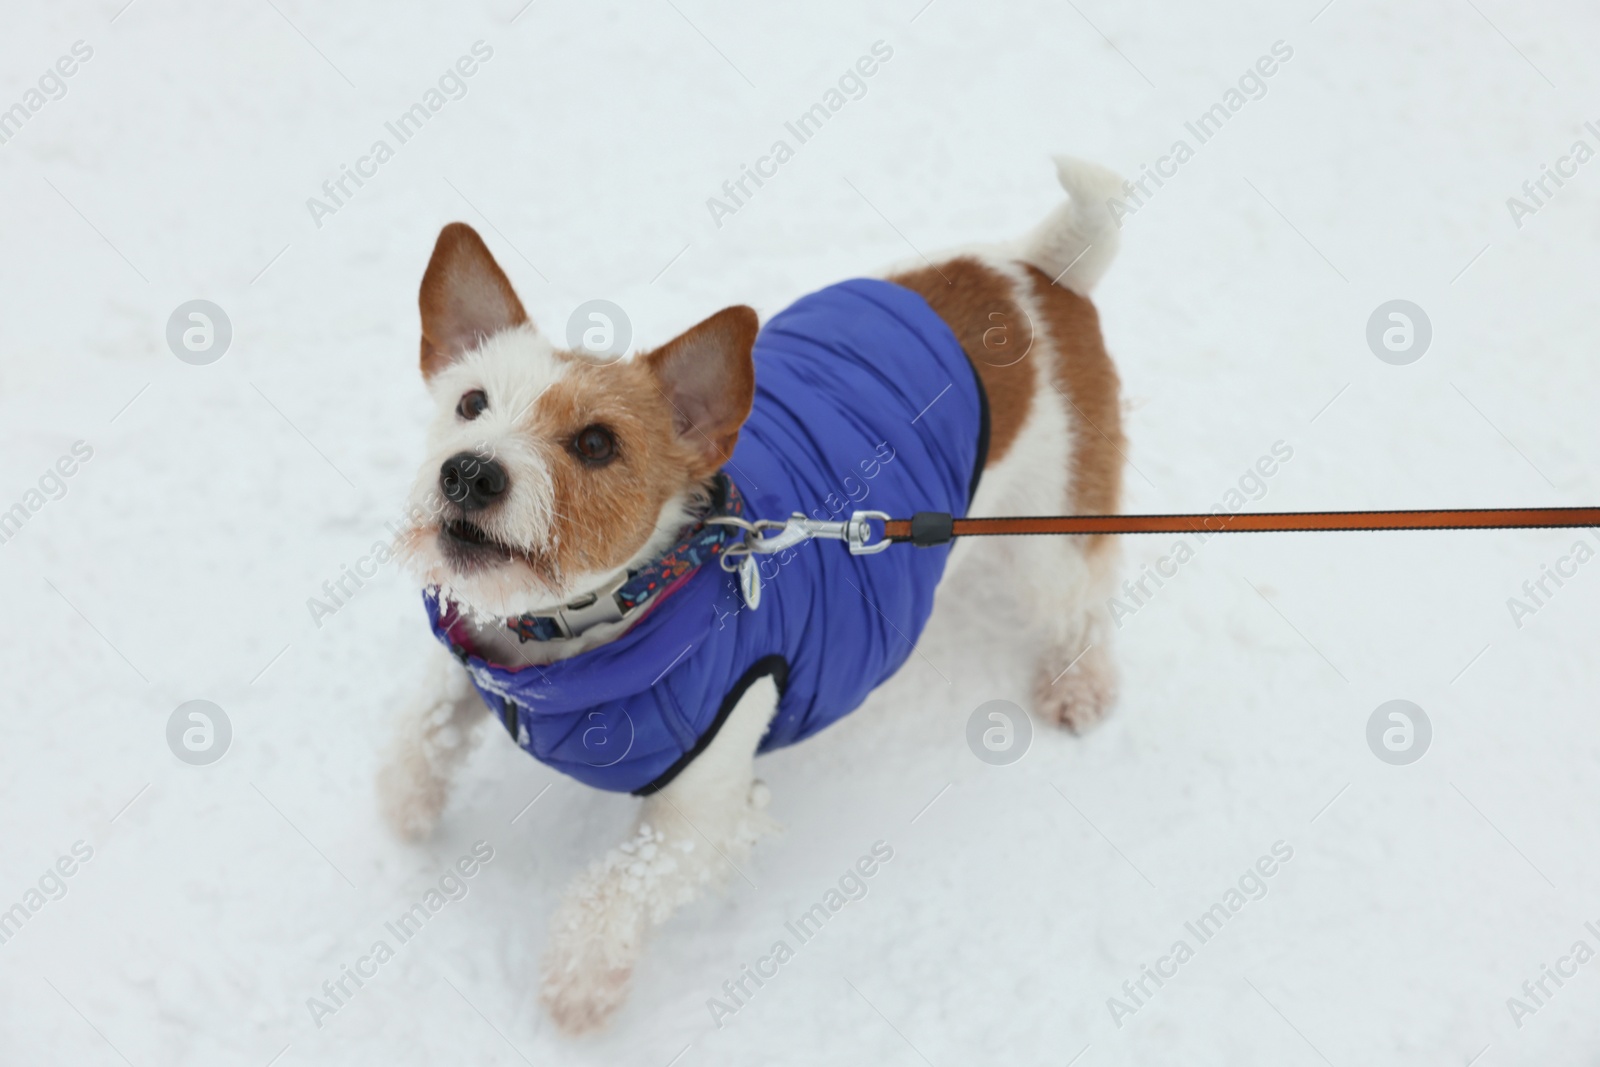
(856, 532)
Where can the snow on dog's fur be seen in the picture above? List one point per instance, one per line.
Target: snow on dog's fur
(568, 471)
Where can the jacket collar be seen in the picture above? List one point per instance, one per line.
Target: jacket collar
(634, 592)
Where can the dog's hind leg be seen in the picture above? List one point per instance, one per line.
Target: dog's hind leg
(1058, 584)
(1055, 446)
(435, 735)
(691, 835)
(1076, 681)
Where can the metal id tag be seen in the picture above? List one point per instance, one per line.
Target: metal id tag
(750, 582)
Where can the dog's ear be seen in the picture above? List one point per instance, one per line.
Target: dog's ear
(709, 377)
(465, 298)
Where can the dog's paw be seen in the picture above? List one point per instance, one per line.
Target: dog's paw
(410, 795)
(1080, 695)
(598, 932)
(580, 990)
(596, 936)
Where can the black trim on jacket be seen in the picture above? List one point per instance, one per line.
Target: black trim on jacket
(774, 665)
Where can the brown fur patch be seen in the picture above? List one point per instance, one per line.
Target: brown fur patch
(675, 415)
(1084, 373)
(976, 302)
(708, 377)
(465, 296)
(604, 514)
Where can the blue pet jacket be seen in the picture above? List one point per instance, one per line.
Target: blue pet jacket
(864, 400)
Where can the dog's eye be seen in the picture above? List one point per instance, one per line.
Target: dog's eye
(595, 445)
(473, 404)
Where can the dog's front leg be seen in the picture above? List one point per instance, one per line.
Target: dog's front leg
(690, 836)
(434, 737)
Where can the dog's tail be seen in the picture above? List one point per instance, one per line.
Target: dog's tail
(1078, 240)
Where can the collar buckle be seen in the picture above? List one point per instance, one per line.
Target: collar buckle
(592, 609)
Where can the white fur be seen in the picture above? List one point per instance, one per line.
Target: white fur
(514, 368)
(1077, 241)
(1074, 244)
(434, 737)
(692, 835)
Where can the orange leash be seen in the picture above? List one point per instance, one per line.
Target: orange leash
(937, 528)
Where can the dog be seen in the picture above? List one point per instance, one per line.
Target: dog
(583, 532)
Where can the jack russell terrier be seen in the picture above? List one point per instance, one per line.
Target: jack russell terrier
(583, 539)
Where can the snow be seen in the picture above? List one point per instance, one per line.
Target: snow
(219, 498)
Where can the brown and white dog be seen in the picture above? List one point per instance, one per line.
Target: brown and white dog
(604, 462)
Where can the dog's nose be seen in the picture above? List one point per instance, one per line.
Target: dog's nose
(471, 481)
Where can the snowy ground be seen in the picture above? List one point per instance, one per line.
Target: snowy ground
(219, 498)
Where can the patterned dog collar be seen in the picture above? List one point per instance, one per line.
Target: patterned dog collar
(634, 591)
